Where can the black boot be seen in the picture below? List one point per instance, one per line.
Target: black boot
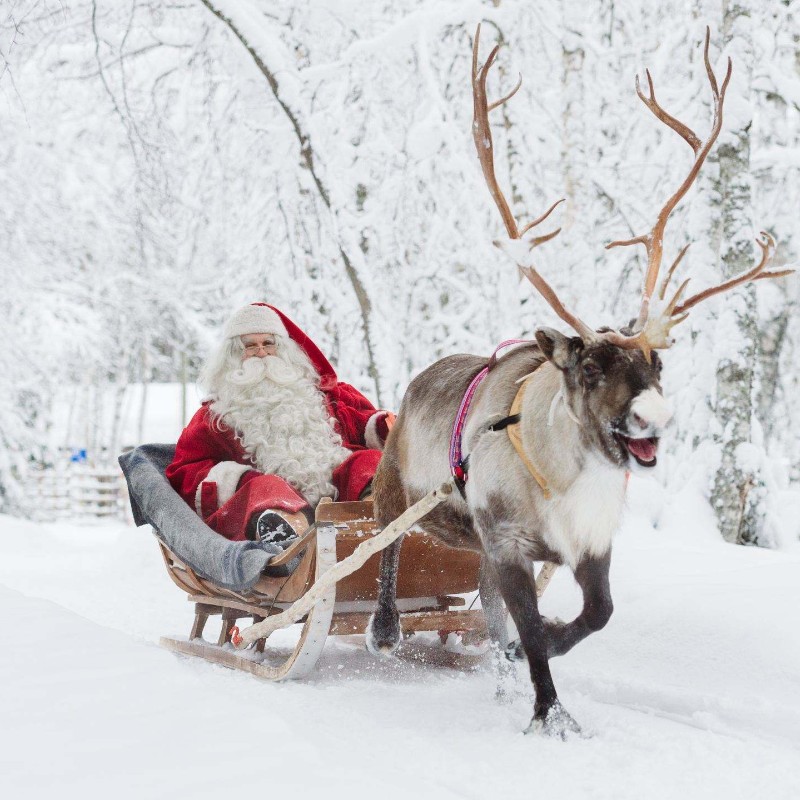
(273, 528)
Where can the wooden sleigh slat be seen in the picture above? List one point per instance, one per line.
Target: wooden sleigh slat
(247, 609)
(312, 638)
(431, 578)
(443, 621)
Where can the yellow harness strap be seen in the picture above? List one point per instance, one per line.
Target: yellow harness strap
(516, 440)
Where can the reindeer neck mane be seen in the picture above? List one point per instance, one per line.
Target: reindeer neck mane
(550, 431)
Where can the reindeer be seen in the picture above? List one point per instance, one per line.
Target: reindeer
(551, 430)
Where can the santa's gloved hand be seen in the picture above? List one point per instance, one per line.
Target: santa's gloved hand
(384, 424)
(377, 429)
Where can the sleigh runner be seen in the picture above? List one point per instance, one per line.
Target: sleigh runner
(429, 585)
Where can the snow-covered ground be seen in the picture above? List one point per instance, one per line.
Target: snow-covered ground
(692, 691)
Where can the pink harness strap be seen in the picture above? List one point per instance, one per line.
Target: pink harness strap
(456, 461)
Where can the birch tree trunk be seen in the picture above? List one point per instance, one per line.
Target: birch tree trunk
(115, 440)
(573, 132)
(143, 405)
(737, 493)
(772, 339)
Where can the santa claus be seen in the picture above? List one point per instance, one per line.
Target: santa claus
(277, 432)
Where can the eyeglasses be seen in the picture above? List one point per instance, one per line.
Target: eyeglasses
(252, 348)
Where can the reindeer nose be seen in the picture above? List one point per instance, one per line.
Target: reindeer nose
(649, 409)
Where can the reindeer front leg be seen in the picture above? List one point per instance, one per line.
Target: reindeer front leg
(591, 575)
(516, 584)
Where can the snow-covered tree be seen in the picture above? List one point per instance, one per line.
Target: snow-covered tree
(165, 162)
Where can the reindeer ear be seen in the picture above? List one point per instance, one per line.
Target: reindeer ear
(562, 350)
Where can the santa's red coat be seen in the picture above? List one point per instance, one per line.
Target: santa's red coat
(214, 475)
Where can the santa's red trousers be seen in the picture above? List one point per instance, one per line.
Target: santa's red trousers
(258, 492)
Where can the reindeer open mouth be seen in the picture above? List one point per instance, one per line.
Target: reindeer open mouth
(643, 450)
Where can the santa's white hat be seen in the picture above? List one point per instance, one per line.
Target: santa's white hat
(255, 318)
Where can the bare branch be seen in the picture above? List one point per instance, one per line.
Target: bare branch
(307, 155)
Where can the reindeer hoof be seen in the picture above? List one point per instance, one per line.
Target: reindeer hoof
(382, 637)
(556, 722)
(515, 651)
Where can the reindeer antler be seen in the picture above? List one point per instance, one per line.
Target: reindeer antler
(652, 332)
(767, 245)
(649, 334)
(482, 135)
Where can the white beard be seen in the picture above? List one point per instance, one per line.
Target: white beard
(280, 417)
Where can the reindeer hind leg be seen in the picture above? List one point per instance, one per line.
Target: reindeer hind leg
(383, 630)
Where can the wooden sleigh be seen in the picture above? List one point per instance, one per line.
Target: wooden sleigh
(430, 580)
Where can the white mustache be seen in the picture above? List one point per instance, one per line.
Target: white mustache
(254, 370)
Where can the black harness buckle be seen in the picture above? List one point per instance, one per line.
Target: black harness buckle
(502, 424)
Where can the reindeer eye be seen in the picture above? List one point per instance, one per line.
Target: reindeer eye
(657, 363)
(591, 372)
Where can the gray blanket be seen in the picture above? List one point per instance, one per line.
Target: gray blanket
(232, 565)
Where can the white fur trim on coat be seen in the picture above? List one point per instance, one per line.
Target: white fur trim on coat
(226, 475)
(371, 438)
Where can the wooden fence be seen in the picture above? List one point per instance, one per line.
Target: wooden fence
(78, 490)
